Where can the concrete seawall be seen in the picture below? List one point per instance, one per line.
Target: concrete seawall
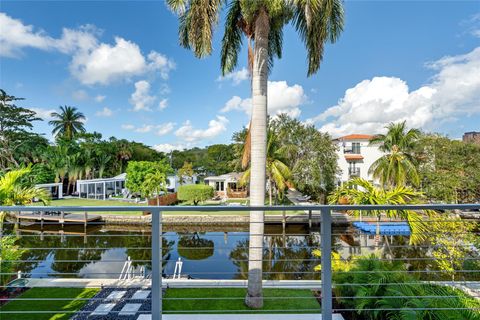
(338, 219)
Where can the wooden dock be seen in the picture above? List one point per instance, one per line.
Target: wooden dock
(61, 219)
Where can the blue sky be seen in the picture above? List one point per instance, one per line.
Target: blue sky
(120, 63)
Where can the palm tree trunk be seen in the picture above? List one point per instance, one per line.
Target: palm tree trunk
(254, 297)
(270, 191)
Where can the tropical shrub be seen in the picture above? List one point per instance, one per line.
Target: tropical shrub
(362, 192)
(195, 193)
(384, 290)
(10, 252)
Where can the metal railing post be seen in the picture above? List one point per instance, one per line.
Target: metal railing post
(156, 265)
(326, 260)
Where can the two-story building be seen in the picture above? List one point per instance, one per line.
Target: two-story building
(355, 156)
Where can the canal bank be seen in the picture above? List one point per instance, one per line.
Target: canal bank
(171, 218)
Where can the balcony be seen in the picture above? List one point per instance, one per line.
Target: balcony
(86, 253)
(352, 150)
(354, 172)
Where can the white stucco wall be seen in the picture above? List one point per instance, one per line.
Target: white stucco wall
(370, 154)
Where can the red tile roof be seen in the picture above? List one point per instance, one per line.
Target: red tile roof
(356, 137)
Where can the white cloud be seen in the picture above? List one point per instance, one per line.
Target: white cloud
(106, 63)
(141, 98)
(236, 77)
(161, 63)
(164, 89)
(163, 104)
(472, 25)
(145, 128)
(128, 126)
(45, 114)
(15, 36)
(80, 95)
(167, 147)
(92, 62)
(165, 128)
(99, 98)
(105, 112)
(215, 127)
(372, 104)
(159, 130)
(282, 98)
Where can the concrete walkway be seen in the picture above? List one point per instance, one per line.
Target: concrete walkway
(171, 283)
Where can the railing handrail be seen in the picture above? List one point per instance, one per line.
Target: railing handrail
(213, 208)
(325, 231)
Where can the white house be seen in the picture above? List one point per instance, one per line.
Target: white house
(173, 182)
(54, 189)
(227, 185)
(103, 188)
(355, 156)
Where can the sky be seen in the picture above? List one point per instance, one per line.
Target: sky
(120, 63)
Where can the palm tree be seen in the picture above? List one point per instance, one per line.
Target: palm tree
(278, 173)
(154, 183)
(102, 161)
(396, 167)
(74, 170)
(124, 152)
(261, 22)
(15, 192)
(68, 122)
(361, 192)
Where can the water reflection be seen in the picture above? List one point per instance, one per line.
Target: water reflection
(207, 252)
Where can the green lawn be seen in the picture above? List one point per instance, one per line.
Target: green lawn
(99, 203)
(231, 300)
(102, 203)
(60, 307)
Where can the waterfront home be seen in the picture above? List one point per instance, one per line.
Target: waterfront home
(355, 156)
(104, 188)
(227, 185)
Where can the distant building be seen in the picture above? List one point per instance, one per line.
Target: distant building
(355, 156)
(227, 185)
(471, 137)
(104, 188)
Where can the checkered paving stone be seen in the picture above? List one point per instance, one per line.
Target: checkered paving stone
(111, 304)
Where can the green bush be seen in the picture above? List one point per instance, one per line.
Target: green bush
(405, 296)
(195, 193)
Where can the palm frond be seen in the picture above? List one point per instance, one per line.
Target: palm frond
(232, 38)
(198, 19)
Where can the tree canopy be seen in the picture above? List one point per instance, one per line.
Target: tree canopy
(16, 124)
(140, 172)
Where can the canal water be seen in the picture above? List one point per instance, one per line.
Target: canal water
(217, 252)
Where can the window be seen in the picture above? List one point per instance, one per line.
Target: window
(219, 186)
(356, 147)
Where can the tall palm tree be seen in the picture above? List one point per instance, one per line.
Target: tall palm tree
(261, 22)
(397, 166)
(68, 122)
(278, 173)
(102, 161)
(361, 192)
